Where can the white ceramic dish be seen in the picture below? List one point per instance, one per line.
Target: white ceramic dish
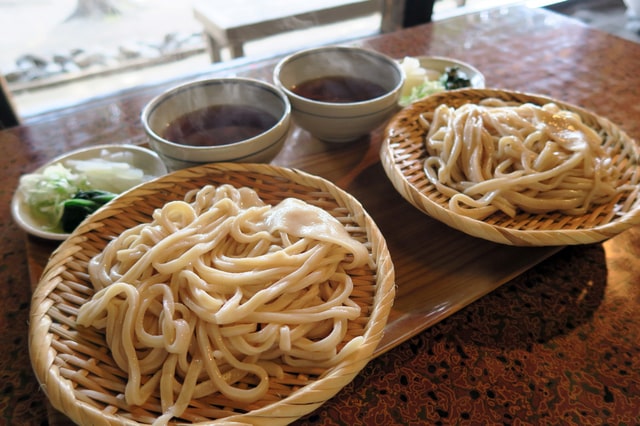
(142, 158)
(440, 64)
(340, 121)
(169, 106)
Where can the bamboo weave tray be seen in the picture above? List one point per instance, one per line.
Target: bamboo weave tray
(74, 366)
(403, 153)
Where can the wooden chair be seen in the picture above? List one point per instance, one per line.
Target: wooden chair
(417, 12)
(231, 24)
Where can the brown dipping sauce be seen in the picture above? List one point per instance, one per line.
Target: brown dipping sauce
(219, 125)
(339, 89)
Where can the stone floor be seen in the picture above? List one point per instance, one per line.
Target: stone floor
(607, 15)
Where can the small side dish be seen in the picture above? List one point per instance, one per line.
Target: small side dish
(52, 200)
(428, 75)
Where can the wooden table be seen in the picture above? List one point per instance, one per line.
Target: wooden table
(480, 333)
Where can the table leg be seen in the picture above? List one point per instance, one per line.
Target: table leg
(213, 48)
(8, 115)
(237, 50)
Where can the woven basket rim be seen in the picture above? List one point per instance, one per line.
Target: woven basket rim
(49, 327)
(401, 136)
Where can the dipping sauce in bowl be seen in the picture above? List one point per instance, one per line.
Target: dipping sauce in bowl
(219, 125)
(229, 119)
(340, 93)
(339, 89)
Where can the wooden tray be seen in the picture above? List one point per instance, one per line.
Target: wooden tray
(439, 270)
(424, 296)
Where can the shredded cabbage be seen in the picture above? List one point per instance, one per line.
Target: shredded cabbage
(46, 192)
(421, 91)
(419, 82)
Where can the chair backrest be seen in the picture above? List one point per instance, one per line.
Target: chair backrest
(397, 14)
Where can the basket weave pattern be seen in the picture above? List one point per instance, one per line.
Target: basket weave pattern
(403, 153)
(74, 365)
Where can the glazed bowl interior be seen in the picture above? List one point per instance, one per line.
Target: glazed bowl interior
(239, 94)
(338, 61)
(340, 121)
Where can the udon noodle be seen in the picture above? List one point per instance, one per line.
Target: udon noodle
(221, 290)
(498, 156)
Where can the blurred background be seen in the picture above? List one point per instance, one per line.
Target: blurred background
(55, 53)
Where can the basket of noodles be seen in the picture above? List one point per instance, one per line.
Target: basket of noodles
(225, 293)
(514, 168)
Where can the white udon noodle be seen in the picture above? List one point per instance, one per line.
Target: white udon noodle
(499, 156)
(222, 286)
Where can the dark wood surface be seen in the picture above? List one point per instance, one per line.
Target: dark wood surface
(480, 333)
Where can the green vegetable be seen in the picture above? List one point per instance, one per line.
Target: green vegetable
(83, 203)
(45, 192)
(454, 78)
(59, 198)
(422, 91)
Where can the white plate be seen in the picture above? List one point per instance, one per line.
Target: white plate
(441, 63)
(143, 158)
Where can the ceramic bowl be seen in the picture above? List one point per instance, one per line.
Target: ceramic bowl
(225, 104)
(345, 120)
(139, 157)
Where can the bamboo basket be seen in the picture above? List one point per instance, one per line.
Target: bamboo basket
(403, 153)
(74, 366)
